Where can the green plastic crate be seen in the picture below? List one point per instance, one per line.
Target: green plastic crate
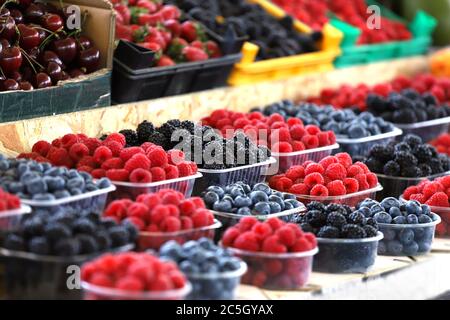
(421, 27)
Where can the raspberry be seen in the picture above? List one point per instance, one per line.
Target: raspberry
(85, 169)
(372, 180)
(362, 182)
(138, 161)
(295, 172)
(276, 117)
(41, 147)
(298, 146)
(246, 241)
(116, 137)
(278, 135)
(92, 144)
(314, 179)
(175, 156)
(158, 174)
(299, 188)
(98, 173)
(247, 223)
(294, 121)
(117, 174)
(336, 171)
(159, 213)
(171, 224)
(184, 169)
(140, 175)
(129, 283)
(282, 147)
(170, 198)
(324, 139)
(229, 236)
(418, 197)
(194, 167)
(445, 181)
(362, 166)
(314, 167)
(128, 153)
(286, 236)
(186, 223)
(275, 223)
(158, 157)
(69, 140)
(331, 137)
(310, 141)
(146, 146)
(57, 143)
(115, 147)
(439, 199)
(327, 161)
(297, 132)
(312, 129)
(273, 244)
(198, 202)
(77, 151)
(410, 191)
(301, 245)
(100, 279)
(201, 218)
(102, 154)
(259, 279)
(113, 163)
(262, 230)
(282, 184)
(319, 190)
(150, 200)
(351, 185)
(345, 159)
(218, 115)
(138, 210)
(58, 156)
(171, 172)
(240, 123)
(278, 125)
(187, 207)
(336, 188)
(354, 170)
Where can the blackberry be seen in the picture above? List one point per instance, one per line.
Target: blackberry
(381, 153)
(144, 130)
(316, 218)
(306, 227)
(131, 137)
(391, 168)
(103, 240)
(374, 164)
(356, 218)
(352, 231)
(436, 166)
(67, 247)
(336, 219)
(328, 232)
(412, 140)
(103, 137)
(405, 159)
(175, 123)
(402, 146)
(404, 116)
(445, 162)
(188, 125)
(167, 130)
(14, 242)
(429, 99)
(423, 153)
(39, 245)
(372, 222)
(84, 226)
(411, 172)
(370, 231)
(315, 206)
(119, 236)
(334, 207)
(376, 103)
(88, 244)
(425, 170)
(159, 139)
(347, 208)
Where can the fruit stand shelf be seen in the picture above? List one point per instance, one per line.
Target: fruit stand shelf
(390, 278)
(19, 136)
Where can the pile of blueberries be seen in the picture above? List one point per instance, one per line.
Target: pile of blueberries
(29, 179)
(243, 199)
(205, 265)
(401, 225)
(407, 107)
(344, 123)
(276, 38)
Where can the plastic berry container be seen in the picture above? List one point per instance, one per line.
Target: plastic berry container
(30, 276)
(351, 199)
(407, 239)
(251, 174)
(10, 219)
(154, 240)
(362, 146)
(395, 186)
(277, 271)
(130, 190)
(94, 201)
(427, 130)
(287, 160)
(215, 286)
(93, 292)
(346, 255)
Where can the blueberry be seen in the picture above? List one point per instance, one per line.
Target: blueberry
(14, 242)
(54, 183)
(425, 209)
(54, 171)
(406, 236)
(367, 203)
(288, 196)
(242, 201)
(228, 198)
(16, 187)
(295, 203)
(84, 226)
(209, 267)
(91, 187)
(355, 132)
(382, 217)
(217, 190)
(210, 198)
(288, 206)
(376, 208)
(103, 183)
(411, 249)
(22, 168)
(394, 247)
(245, 211)
(222, 206)
(262, 208)
(381, 248)
(35, 186)
(55, 231)
(61, 194)
(88, 244)
(262, 187)
(395, 212)
(229, 264)
(75, 192)
(277, 199)
(206, 243)
(389, 203)
(413, 207)
(198, 257)
(4, 165)
(236, 191)
(424, 246)
(400, 220)
(365, 211)
(76, 183)
(39, 245)
(170, 249)
(412, 219)
(258, 196)
(423, 218)
(43, 197)
(67, 247)
(188, 267)
(274, 207)
(119, 236)
(389, 234)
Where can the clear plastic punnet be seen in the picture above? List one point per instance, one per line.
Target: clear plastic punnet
(277, 271)
(362, 146)
(250, 174)
(351, 199)
(427, 130)
(407, 239)
(154, 240)
(287, 160)
(217, 285)
(130, 190)
(346, 255)
(10, 219)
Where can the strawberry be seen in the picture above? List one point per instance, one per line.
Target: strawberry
(124, 11)
(194, 54)
(197, 44)
(173, 26)
(124, 32)
(175, 48)
(151, 19)
(165, 61)
(192, 31)
(170, 12)
(212, 48)
(151, 6)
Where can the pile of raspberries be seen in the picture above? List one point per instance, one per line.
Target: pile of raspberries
(434, 193)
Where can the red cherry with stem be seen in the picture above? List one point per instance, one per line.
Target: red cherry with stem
(5, 12)
(34, 53)
(8, 28)
(11, 59)
(5, 43)
(83, 43)
(16, 75)
(75, 73)
(25, 85)
(54, 71)
(10, 85)
(17, 16)
(66, 49)
(34, 13)
(49, 56)
(89, 59)
(42, 33)
(52, 22)
(29, 37)
(64, 76)
(42, 80)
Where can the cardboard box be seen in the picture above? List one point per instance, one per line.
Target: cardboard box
(84, 93)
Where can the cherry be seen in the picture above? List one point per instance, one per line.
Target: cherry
(49, 56)
(34, 13)
(83, 43)
(17, 16)
(52, 22)
(25, 85)
(54, 71)
(42, 33)
(8, 28)
(29, 37)
(25, 3)
(5, 13)
(10, 85)
(16, 75)
(89, 59)
(75, 73)
(64, 76)
(11, 59)
(34, 53)
(66, 49)
(27, 73)
(42, 80)
(5, 43)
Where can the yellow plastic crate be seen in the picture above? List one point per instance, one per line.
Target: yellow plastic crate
(249, 71)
